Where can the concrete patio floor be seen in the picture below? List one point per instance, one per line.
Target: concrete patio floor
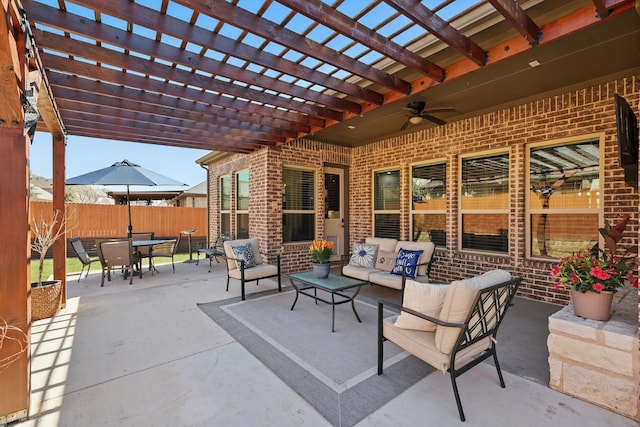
(146, 355)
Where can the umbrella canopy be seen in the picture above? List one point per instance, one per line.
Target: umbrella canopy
(123, 173)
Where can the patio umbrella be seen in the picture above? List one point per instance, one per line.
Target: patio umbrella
(123, 173)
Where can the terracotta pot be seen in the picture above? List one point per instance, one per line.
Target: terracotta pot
(321, 271)
(591, 305)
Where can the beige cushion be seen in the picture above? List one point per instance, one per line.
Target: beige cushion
(253, 273)
(231, 263)
(385, 260)
(422, 345)
(427, 247)
(384, 244)
(384, 278)
(357, 272)
(425, 298)
(458, 302)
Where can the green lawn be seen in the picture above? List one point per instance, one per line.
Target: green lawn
(74, 266)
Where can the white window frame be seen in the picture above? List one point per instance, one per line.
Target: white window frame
(313, 212)
(375, 212)
(412, 210)
(506, 210)
(236, 200)
(221, 195)
(598, 209)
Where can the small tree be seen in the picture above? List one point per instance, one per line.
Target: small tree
(45, 233)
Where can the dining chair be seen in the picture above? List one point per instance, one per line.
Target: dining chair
(83, 255)
(164, 250)
(116, 253)
(144, 251)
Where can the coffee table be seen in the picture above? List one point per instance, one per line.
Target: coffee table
(333, 284)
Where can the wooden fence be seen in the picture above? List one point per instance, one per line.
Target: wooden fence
(90, 221)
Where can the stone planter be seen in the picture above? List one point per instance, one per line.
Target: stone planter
(45, 299)
(321, 271)
(591, 305)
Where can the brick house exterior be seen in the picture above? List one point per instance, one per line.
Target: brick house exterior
(587, 111)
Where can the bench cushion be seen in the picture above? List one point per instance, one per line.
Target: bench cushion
(358, 272)
(384, 244)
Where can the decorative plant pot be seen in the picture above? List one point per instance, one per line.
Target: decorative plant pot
(591, 305)
(321, 271)
(45, 299)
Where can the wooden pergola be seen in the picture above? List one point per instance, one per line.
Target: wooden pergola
(213, 75)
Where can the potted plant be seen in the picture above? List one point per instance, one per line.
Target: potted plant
(321, 251)
(594, 276)
(46, 295)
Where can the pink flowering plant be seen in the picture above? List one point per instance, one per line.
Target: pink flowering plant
(596, 271)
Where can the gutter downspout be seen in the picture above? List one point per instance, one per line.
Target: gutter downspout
(205, 167)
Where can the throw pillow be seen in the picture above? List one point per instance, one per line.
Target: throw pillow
(364, 255)
(385, 261)
(425, 298)
(244, 252)
(408, 259)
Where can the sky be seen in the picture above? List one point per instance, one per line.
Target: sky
(88, 154)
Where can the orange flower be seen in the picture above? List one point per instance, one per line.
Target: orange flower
(321, 250)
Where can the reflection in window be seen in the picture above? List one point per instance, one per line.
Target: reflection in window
(564, 198)
(484, 203)
(225, 204)
(298, 205)
(429, 203)
(242, 204)
(386, 203)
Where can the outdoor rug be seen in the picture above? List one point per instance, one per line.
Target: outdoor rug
(335, 372)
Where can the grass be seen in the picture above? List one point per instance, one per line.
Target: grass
(75, 266)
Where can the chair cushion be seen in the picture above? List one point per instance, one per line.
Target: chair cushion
(425, 298)
(244, 253)
(427, 247)
(422, 345)
(228, 252)
(385, 261)
(457, 304)
(364, 255)
(407, 258)
(260, 271)
(383, 278)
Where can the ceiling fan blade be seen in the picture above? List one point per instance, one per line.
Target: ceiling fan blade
(438, 110)
(405, 125)
(434, 119)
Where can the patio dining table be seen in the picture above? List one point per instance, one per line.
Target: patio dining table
(150, 243)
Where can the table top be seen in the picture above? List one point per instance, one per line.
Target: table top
(150, 242)
(332, 283)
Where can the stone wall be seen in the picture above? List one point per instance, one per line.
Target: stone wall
(598, 361)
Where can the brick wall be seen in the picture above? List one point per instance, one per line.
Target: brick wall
(583, 112)
(580, 113)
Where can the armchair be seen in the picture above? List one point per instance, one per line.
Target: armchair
(454, 327)
(245, 263)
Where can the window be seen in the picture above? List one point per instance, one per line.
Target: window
(429, 203)
(563, 198)
(386, 203)
(298, 205)
(484, 203)
(225, 204)
(242, 204)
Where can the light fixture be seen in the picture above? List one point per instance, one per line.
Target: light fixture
(414, 120)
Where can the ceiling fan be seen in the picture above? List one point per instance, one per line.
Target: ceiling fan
(417, 113)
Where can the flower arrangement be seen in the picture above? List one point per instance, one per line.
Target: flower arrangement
(321, 251)
(596, 270)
